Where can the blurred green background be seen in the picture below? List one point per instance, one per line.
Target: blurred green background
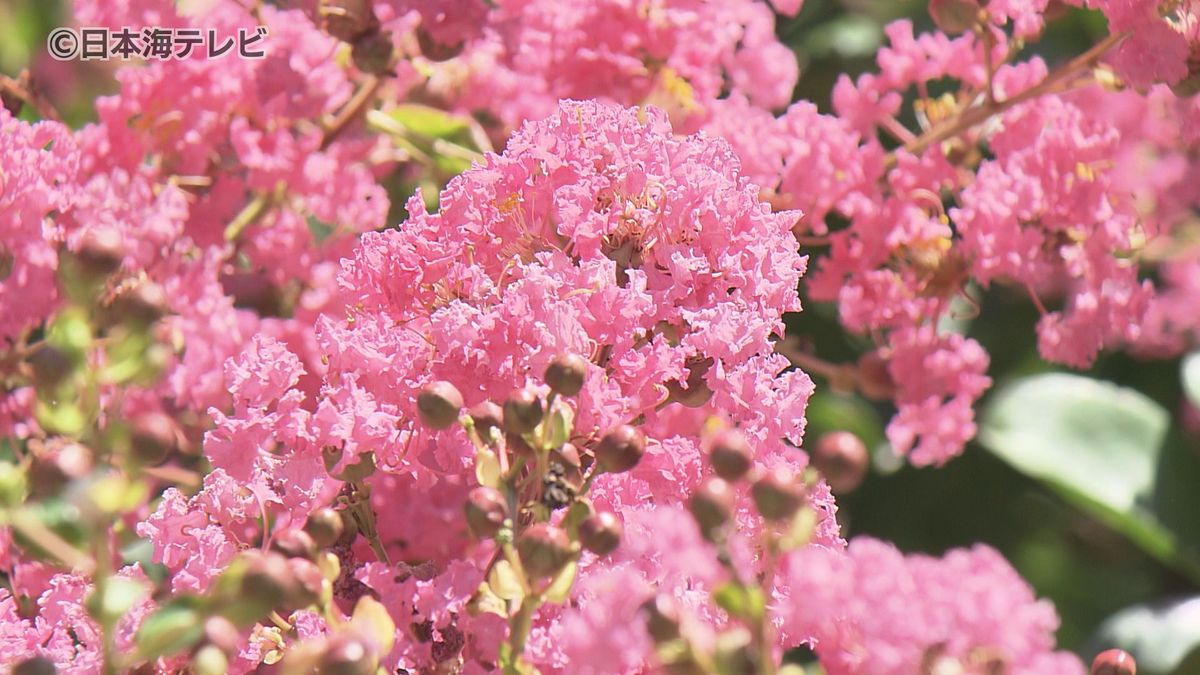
(1091, 491)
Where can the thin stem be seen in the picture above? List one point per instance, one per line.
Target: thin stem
(22, 89)
(971, 117)
(359, 101)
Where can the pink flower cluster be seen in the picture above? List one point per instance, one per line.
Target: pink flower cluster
(661, 243)
(872, 609)
(976, 200)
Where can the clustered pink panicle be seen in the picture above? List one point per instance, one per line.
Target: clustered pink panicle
(656, 242)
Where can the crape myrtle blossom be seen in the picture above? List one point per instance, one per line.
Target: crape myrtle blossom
(1061, 214)
(597, 232)
(314, 474)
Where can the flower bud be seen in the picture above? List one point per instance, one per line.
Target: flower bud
(8, 260)
(601, 533)
(438, 404)
(712, 506)
(1114, 662)
(662, 618)
(485, 511)
(294, 544)
(621, 449)
(325, 526)
(141, 305)
(347, 19)
(254, 291)
(347, 655)
(842, 458)
(53, 468)
(487, 415)
(34, 665)
(51, 366)
(697, 392)
(873, 377)
(268, 581)
(730, 455)
(434, 50)
(778, 495)
(153, 438)
(566, 374)
(209, 660)
(307, 584)
(522, 412)
(544, 550)
(223, 634)
(372, 53)
(100, 252)
(954, 16)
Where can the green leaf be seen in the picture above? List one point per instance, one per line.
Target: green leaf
(172, 628)
(559, 424)
(1159, 637)
(115, 598)
(504, 582)
(1096, 443)
(800, 530)
(1190, 369)
(743, 602)
(1092, 437)
(560, 589)
(429, 122)
(487, 468)
(71, 333)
